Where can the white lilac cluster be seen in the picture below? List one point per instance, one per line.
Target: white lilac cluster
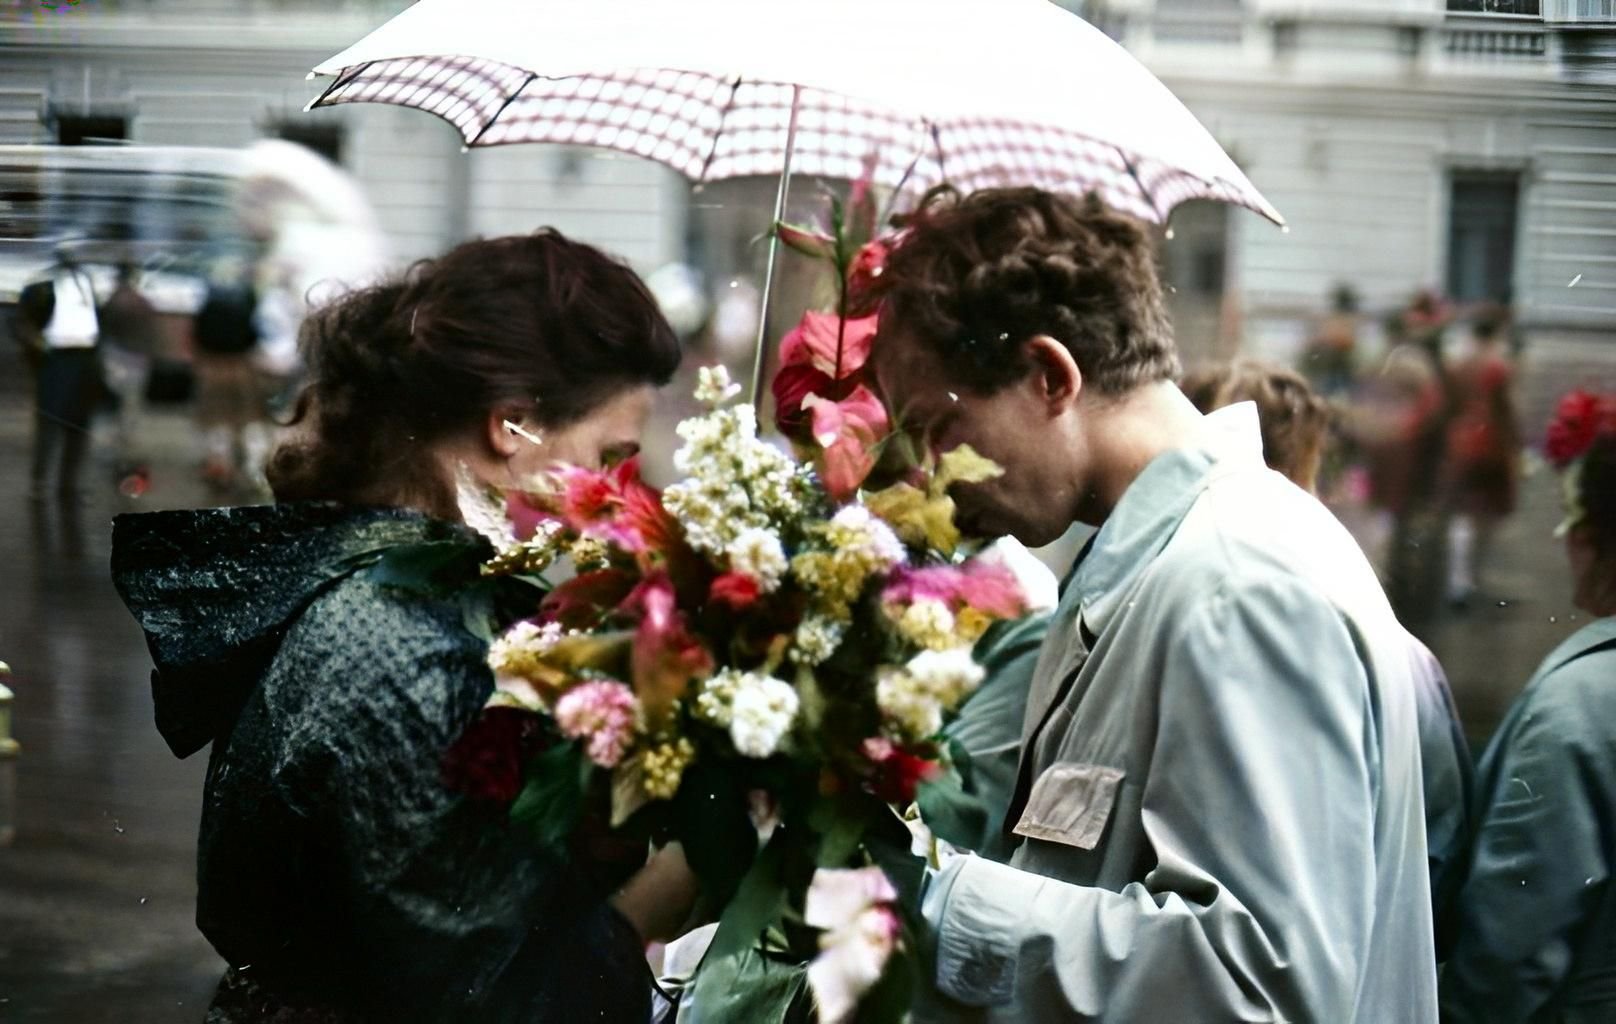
(733, 483)
(760, 555)
(515, 658)
(758, 710)
(927, 623)
(713, 386)
(816, 639)
(858, 546)
(913, 698)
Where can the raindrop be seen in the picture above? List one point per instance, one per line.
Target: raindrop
(143, 900)
(1587, 881)
(735, 284)
(1285, 229)
(1004, 336)
(1523, 881)
(1170, 234)
(1503, 604)
(1553, 619)
(698, 188)
(953, 397)
(1172, 289)
(117, 827)
(1574, 281)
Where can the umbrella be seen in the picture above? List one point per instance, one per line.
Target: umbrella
(973, 92)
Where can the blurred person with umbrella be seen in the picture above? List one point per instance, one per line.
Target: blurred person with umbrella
(61, 332)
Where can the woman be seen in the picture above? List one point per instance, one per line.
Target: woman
(1483, 454)
(1537, 939)
(337, 873)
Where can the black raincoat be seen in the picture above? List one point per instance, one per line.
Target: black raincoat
(336, 873)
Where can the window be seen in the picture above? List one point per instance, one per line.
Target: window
(1481, 235)
(1527, 8)
(324, 139)
(88, 129)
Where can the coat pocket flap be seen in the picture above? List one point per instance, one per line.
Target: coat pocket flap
(1070, 803)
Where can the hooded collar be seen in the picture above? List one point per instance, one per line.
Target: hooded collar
(214, 590)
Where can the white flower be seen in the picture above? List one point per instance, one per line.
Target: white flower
(761, 714)
(913, 698)
(714, 386)
(759, 554)
(513, 655)
(716, 701)
(816, 640)
(927, 623)
(857, 528)
(734, 482)
(861, 929)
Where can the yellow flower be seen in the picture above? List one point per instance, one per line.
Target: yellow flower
(970, 624)
(664, 766)
(926, 623)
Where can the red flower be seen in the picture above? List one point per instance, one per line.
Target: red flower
(897, 771)
(667, 656)
(580, 603)
(614, 505)
(861, 277)
(735, 591)
(1580, 417)
(486, 762)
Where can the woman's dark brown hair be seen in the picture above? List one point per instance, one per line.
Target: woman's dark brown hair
(537, 321)
(975, 276)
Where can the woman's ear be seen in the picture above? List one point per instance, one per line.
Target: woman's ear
(1055, 372)
(505, 431)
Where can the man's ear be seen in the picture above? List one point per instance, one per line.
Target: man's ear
(1055, 374)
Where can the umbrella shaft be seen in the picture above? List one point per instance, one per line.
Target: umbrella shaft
(760, 355)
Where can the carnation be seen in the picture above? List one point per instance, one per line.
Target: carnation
(602, 712)
(759, 554)
(761, 713)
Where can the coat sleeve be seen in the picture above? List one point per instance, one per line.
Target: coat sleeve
(1258, 805)
(1540, 863)
(453, 915)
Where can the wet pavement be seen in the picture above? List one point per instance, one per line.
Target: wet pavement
(97, 887)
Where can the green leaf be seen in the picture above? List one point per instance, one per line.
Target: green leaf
(758, 902)
(840, 825)
(951, 813)
(888, 841)
(429, 568)
(553, 798)
(712, 821)
(477, 604)
(889, 1000)
(753, 986)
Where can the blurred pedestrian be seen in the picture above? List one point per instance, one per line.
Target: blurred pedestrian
(229, 394)
(130, 342)
(1537, 939)
(1330, 359)
(1483, 452)
(61, 331)
(1295, 425)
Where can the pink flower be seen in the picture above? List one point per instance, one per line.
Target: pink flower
(818, 337)
(867, 266)
(600, 712)
(849, 432)
(861, 929)
(988, 587)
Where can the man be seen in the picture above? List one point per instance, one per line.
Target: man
(1217, 811)
(129, 334)
(60, 330)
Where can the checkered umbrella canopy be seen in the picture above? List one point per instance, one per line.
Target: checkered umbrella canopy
(973, 92)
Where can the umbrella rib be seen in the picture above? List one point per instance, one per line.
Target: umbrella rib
(718, 133)
(937, 140)
(342, 78)
(1144, 193)
(502, 107)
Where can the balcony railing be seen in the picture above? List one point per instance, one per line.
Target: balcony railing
(1485, 42)
(1517, 8)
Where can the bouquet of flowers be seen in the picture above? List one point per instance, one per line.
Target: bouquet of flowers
(757, 661)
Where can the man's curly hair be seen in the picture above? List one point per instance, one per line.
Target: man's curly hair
(974, 276)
